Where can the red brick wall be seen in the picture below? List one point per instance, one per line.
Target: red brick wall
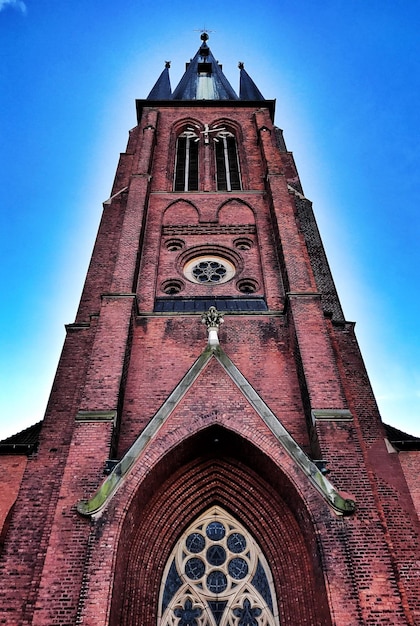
(410, 462)
(23, 557)
(12, 467)
(60, 568)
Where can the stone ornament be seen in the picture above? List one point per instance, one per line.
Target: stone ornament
(212, 318)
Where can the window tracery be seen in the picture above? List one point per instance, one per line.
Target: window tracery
(209, 270)
(227, 168)
(217, 576)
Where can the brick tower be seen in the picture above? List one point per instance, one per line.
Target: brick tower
(212, 453)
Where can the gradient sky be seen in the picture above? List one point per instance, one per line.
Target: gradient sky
(346, 78)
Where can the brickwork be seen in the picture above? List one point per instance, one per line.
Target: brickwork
(410, 463)
(384, 477)
(319, 262)
(261, 351)
(193, 488)
(187, 419)
(122, 360)
(12, 468)
(26, 542)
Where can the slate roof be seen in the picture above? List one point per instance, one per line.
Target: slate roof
(24, 442)
(204, 80)
(401, 440)
(162, 87)
(248, 90)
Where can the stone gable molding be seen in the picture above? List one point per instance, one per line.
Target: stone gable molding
(342, 504)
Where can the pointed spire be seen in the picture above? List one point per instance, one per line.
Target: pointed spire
(248, 90)
(162, 87)
(203, 78)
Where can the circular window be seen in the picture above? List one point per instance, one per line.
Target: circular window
(216, 582)
(236, 543)
(215, 531)
(172, 287)
(243, 243)
(238, 568)
(247, 285)
(195, 542)
(216, 555)
(173, 245)
(209, 270)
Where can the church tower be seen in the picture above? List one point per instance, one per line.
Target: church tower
(212, 453)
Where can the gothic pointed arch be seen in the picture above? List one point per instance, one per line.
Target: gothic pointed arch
(227, 123)
(258, 502)
(231, 169)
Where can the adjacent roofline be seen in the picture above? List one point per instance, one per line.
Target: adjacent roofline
(24, 442)
(248, 104)
(400, 440)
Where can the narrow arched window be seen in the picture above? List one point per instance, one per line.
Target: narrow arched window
(227, 163)
(217, 576)
(186, 165)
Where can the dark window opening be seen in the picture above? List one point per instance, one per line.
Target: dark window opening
(247, 285)
(204, 68)
(227, 164)
(172, 287)
(186, 166)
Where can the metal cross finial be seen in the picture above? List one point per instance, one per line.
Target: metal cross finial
(204, 33)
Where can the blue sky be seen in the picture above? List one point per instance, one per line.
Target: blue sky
(346, 77)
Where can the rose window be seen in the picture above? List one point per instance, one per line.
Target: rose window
(209, 270)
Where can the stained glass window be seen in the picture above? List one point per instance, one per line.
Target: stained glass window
(217, 576)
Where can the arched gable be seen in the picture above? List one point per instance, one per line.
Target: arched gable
(228, 124)
(180, 212)
(234, 212)
(190, 127)
(185, 123)
(135, 535)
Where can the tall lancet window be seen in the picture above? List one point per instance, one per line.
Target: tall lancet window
(186, 165)
(228, 175)
(217, 576)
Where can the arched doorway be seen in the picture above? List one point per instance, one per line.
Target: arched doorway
(254, 497)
